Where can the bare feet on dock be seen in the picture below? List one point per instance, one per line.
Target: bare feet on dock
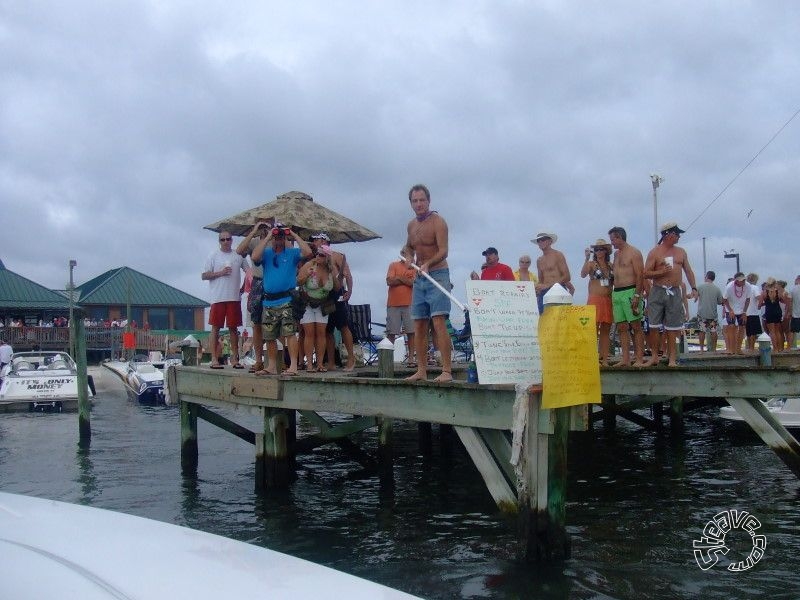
(621, 364)
(350, 367)
(418, 376)
(444, 377)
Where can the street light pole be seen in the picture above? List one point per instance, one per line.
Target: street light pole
(72, 264)
(732, 254)
(656, 181)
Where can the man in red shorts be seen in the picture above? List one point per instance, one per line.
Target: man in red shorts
(223, 271)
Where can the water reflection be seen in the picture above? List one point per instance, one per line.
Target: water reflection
(86, 475)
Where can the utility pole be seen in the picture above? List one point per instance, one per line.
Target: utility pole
(656, 181)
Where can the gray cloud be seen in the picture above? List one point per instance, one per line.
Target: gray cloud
(125, 128)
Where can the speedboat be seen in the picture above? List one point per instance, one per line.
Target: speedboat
(57, 550)
(144, 377)
(41, 381)
(785, 410)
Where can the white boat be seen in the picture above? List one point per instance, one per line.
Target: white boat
(40, 381)
(57, 550)
(785, 410)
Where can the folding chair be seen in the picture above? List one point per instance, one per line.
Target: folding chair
(360, 319)
(461, 340)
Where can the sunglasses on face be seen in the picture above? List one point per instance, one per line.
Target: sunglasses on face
(225, 239)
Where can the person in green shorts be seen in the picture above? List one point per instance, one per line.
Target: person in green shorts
(626, 299)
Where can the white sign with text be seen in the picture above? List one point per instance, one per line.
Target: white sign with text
(505, 323)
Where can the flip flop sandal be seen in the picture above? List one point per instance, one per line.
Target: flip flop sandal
(238, 366)
(217, 367)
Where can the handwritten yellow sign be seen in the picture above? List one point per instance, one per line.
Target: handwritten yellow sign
(570, 364)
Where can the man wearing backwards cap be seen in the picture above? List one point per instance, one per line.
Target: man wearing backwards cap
(666, 265)
(495, 270)
(551, 266)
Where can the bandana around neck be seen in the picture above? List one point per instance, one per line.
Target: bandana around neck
(425, 216)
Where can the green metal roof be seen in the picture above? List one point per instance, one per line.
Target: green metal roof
(18, 292)
(119, 286)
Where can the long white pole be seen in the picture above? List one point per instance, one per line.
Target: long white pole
(436, 283)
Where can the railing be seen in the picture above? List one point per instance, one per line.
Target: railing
(103, 339)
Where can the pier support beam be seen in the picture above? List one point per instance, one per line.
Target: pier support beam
(770, 430)
(188, 438)
(542, 483)
(272, 455)
(385, 452)
(84, 407)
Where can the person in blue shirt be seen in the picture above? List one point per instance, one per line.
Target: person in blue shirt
(280, 280)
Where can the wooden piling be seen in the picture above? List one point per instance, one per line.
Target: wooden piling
(84, 407)
(385, 454)
(188, 437)
(272, 456)
(541, 490)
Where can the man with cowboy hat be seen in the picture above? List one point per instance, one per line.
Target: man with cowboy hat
(551, 266)
(666, 265)
(597, 267)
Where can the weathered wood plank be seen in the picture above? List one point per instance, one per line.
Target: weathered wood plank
(730, 382)
(340, 430)
(453, 404)
(504, 496)
(500, 447)
(770, 430)
(226, 424)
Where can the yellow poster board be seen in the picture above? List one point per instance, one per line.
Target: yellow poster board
(570, 363)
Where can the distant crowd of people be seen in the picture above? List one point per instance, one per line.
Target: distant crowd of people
(64, 322)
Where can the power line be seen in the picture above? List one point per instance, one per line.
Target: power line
(743, 169)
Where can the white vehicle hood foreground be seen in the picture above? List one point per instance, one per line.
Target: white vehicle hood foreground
(57, 550)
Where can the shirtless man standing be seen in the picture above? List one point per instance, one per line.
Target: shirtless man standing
(551, 266)
(666, 265)
(626, 299)
(427, 240)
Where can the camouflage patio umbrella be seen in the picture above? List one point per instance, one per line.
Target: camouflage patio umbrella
(298, 211)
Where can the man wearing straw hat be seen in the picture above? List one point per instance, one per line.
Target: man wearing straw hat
(427, 239)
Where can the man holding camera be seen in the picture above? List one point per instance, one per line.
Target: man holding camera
(254, 298)
(280, 279)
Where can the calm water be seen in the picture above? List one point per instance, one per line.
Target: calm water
(635, 503)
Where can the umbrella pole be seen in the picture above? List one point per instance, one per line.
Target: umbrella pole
(436, 283)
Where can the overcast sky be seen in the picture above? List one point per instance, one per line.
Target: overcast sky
(126, 126)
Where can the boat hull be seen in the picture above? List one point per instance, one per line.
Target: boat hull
(57, 550)
(46, 381)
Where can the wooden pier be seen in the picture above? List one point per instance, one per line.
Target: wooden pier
(519, 449)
